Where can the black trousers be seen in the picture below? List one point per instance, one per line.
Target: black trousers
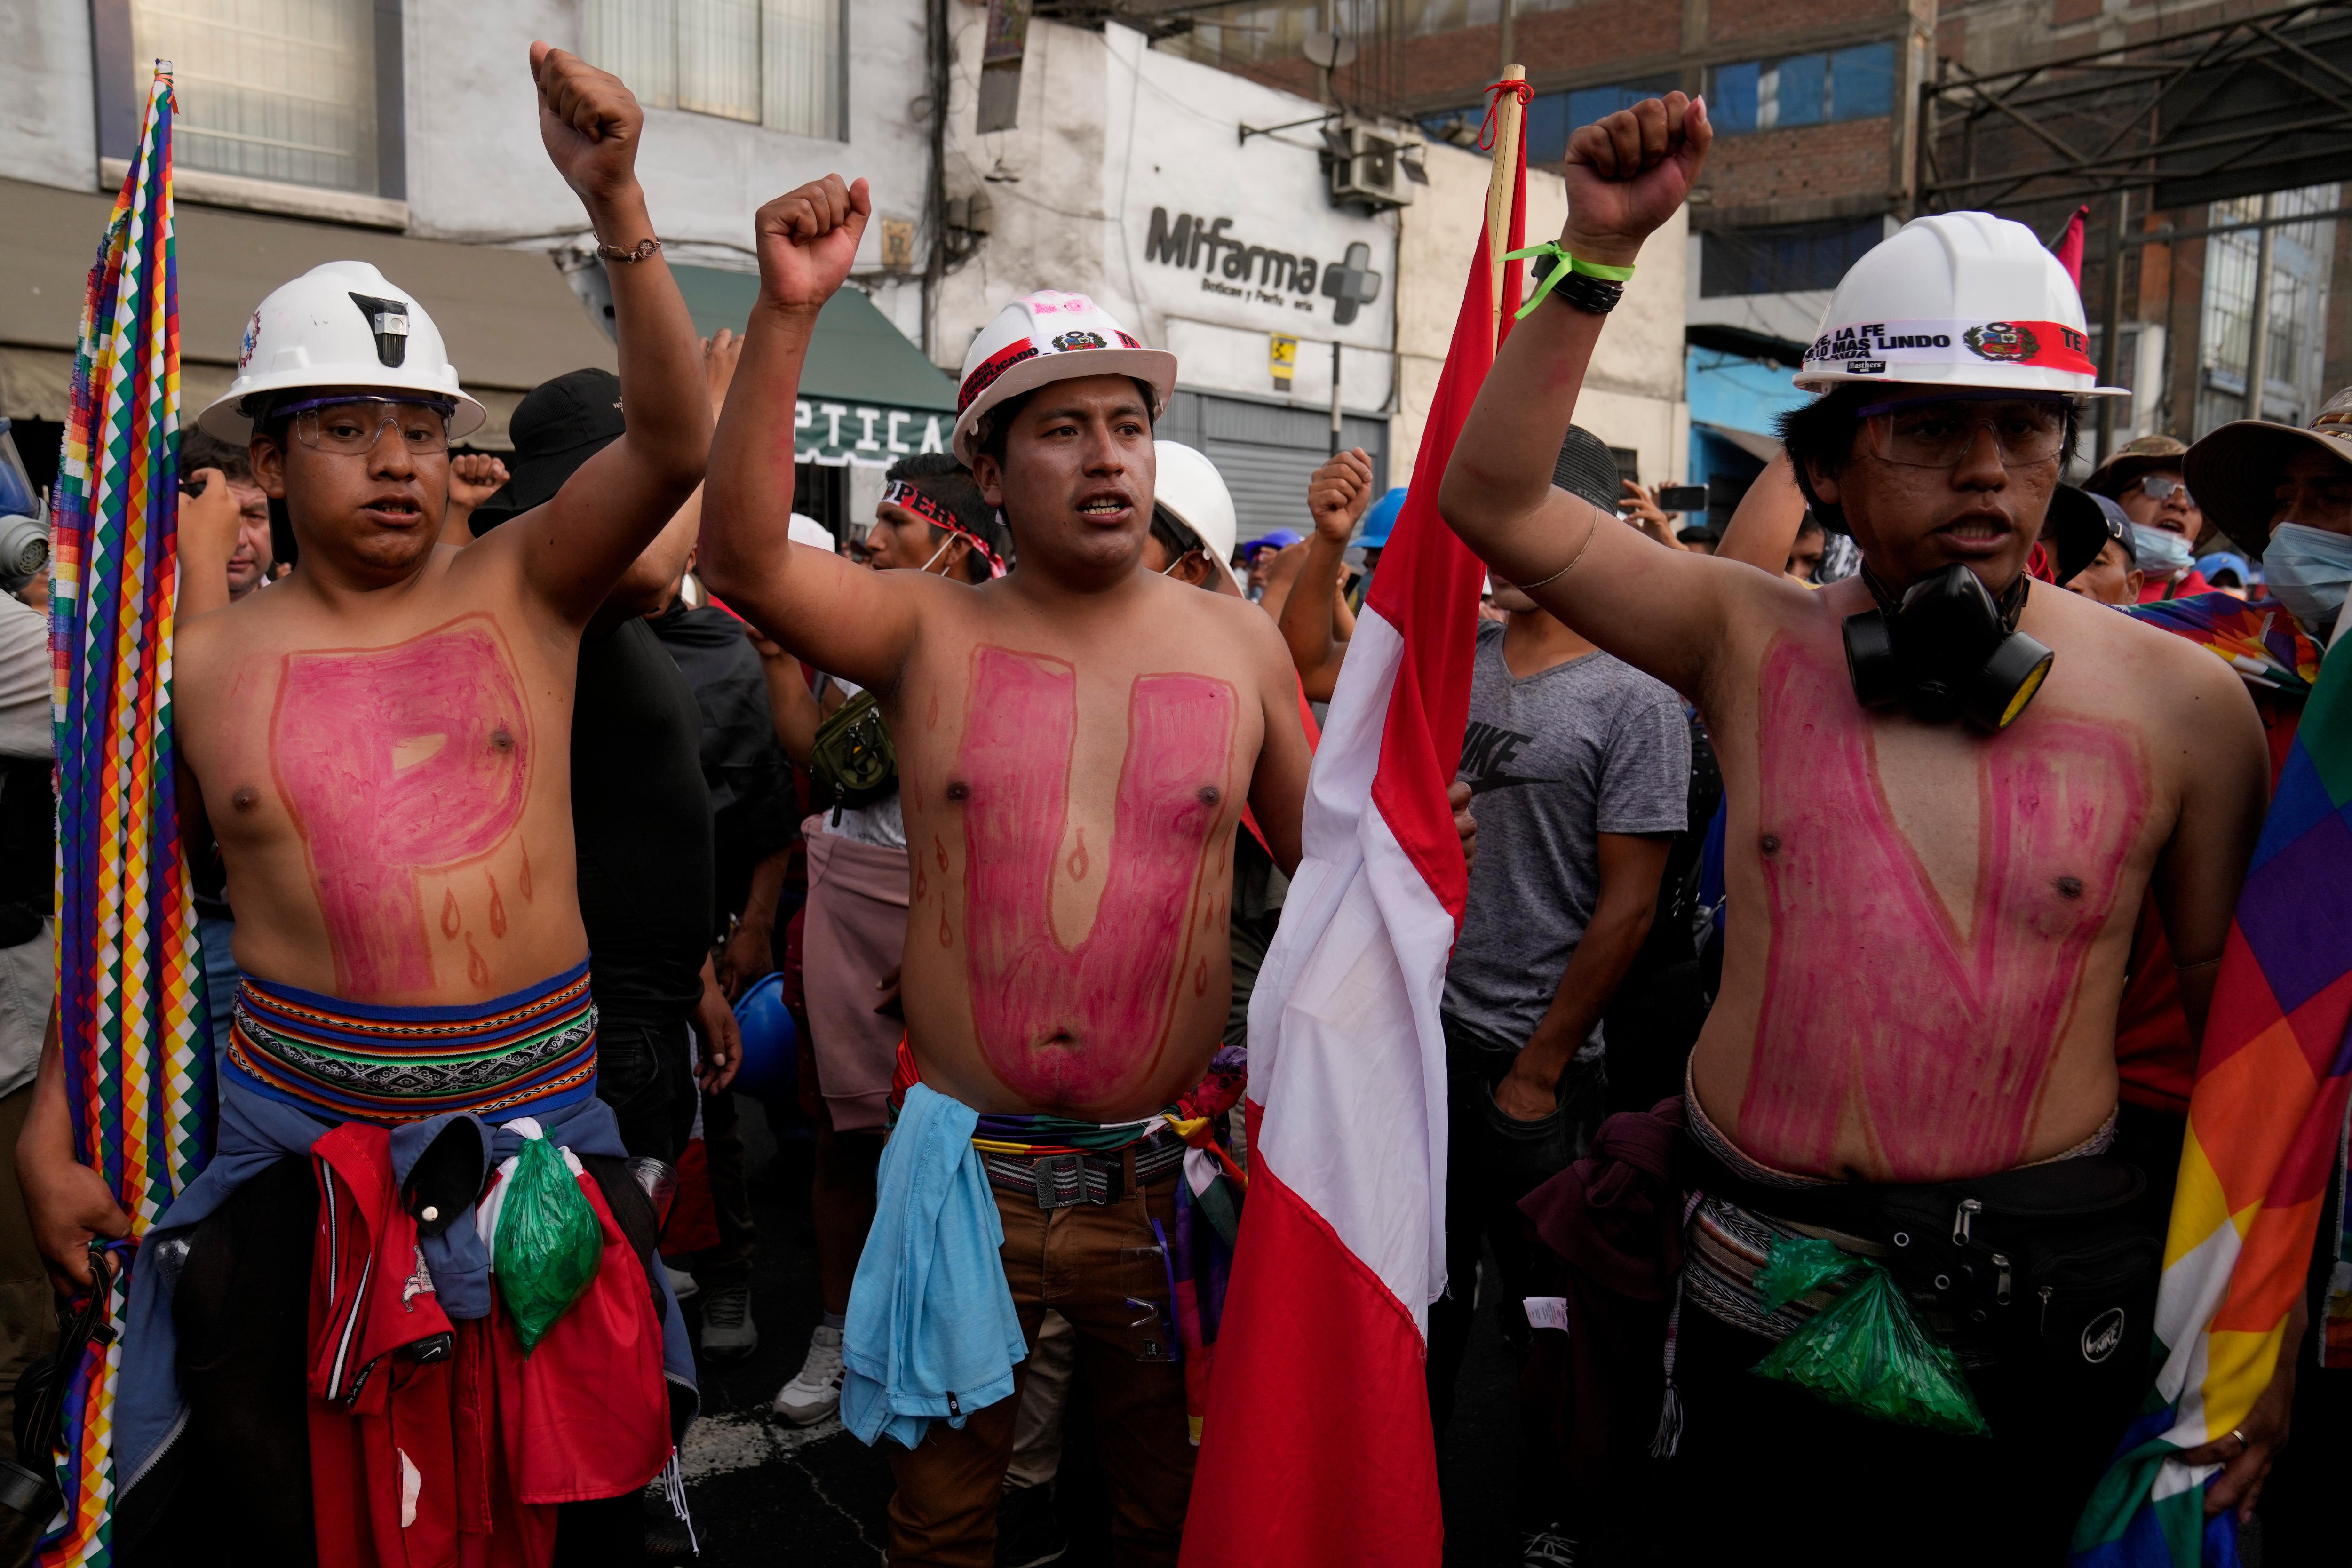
(233, 1490)
(1766, 1471)
(1492, 1161)
(643, 1073)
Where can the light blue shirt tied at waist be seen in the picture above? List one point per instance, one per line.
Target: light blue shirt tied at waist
(931, 1333)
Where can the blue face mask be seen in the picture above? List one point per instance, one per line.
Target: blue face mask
(2308, 570)
(2162, 554)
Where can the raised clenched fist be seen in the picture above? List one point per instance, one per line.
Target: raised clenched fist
(474, 478)
(590, 124)
(1339, 493)
(807, 240)
(1627, 173)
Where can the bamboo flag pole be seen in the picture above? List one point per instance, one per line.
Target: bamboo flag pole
(1501, 183)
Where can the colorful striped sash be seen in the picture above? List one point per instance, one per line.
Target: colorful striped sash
(531, 1051)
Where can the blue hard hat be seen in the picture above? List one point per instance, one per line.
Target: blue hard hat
(2212, 566)
(1373, 533)
(1280, 539)
(769, 1040)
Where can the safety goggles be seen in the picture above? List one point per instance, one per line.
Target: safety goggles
(1938, 433)
(2156, 488)
(352, 426)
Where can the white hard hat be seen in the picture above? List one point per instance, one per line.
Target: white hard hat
(1050, 336)
(808, 531)
(1194, 493)
(1956, 300)
(342, 323)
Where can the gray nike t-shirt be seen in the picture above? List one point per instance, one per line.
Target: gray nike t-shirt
(1585, 748)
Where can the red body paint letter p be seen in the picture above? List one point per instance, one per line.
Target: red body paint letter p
(395, 761)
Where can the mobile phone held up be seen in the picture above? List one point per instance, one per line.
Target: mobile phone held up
(1683, 497)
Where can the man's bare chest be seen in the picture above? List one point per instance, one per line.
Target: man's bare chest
(404, 774)
(1070, 831)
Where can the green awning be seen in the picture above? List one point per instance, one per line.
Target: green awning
(868, 395)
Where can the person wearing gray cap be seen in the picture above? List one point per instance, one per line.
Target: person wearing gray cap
(2285, 495)
(2096, 546)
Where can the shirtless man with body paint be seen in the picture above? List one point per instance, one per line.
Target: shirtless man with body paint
(1928, 923)
(1075, 744)
(379, 746)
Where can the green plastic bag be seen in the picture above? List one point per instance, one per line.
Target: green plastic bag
(1865, 1351)
(549, 1244)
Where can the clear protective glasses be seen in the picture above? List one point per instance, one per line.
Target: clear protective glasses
(1939, 432)
(2156, 488)
(352, 426)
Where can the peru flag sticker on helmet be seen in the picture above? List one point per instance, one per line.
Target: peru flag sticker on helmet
(1050, 336)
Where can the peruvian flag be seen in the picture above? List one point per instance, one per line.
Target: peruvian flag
(1317, 1447)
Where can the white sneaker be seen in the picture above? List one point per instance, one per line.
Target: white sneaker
(815, 1392)
(681, 1284)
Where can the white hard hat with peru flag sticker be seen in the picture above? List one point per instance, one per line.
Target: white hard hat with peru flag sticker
(1958, 300)
(341, 324)
(1050, 336)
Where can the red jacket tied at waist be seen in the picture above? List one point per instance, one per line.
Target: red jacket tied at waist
(435, 1442)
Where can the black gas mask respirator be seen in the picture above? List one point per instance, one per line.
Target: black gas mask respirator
(1946, 647)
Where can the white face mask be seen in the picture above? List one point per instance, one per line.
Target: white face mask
(2163, 555)
(2308, 570)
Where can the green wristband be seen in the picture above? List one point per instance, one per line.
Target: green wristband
(1596, 269)
(1568, 264)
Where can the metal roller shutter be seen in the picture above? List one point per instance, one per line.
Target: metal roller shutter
(1266, 452)
(1268, 485)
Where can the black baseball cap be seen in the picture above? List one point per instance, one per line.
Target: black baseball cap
(2083, 524)
(557, 426)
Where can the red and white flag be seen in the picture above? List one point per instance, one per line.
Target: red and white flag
(1317, 1447)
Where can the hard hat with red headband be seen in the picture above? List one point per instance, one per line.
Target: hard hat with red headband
(1958, 300)
(1050, 336)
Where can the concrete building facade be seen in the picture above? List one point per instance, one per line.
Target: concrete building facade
(405, 132)
(1817, 106)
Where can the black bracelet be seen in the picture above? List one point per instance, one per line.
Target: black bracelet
(1579, 291)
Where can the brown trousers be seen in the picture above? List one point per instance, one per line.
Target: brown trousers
(1085, 1263)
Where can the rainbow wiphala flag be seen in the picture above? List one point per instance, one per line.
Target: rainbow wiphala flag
(138, 1061)
(2266, 1117)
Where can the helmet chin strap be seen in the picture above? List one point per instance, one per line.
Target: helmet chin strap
(1180, 560)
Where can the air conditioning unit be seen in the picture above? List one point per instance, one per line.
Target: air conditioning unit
(1380, 167)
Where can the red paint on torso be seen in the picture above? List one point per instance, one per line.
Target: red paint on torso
(1073, 1026)
(393, 761)
(1878, 1009)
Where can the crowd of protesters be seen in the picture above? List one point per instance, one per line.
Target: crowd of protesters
(803, 784)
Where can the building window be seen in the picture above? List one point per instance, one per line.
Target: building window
(1802, 89)
(270, 90)
(1551, 116)
(1784, 259)
(776, 63)
(2302, 256)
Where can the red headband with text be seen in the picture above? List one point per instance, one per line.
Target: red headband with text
(928, 507)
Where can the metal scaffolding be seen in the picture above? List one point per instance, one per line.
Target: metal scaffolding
(2164, 119)
(2231, 109)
